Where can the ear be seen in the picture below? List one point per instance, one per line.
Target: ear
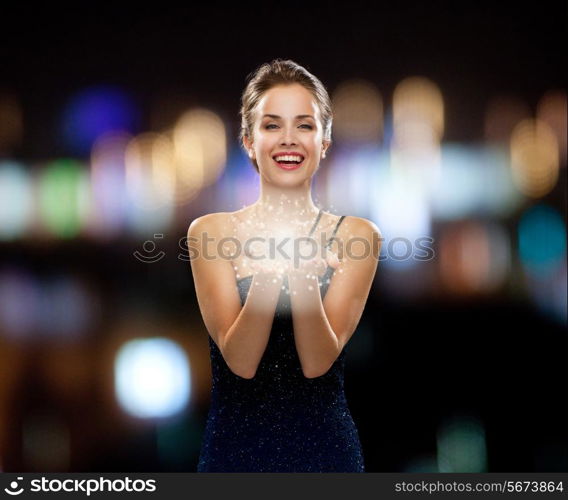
(249, 146)
(325, 147)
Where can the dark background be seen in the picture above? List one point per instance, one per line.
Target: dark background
(494, 357)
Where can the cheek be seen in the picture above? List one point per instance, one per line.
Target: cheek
(316, 144)
(263, 142)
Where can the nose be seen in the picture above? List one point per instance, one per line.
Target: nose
(288, 135)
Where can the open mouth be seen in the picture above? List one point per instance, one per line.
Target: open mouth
(289, 163)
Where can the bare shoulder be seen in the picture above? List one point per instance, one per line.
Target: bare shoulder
(202, 232)
(359, 226)
(211, 223)
(363, 233)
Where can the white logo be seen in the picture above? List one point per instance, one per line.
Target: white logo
(14, 485)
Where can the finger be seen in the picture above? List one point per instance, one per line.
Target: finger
(332, 260)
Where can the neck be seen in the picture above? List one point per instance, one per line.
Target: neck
(288, 204)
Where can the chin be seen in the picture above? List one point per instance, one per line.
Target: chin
(291, 178)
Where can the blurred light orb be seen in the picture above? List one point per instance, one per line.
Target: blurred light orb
(418, 111)
(93, 112)
(152, 378)
(150, 172)
(534, 158)
(461, 445)
(108, 184)
(16, 201)
(542, 241)
(400, 209)
(358, 112)
(67, 308)
(149, 178)
(474, 257)
(20, 299)
(550, 293)
(64, 197)
(200, 151)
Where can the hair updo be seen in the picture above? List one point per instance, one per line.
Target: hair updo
(281, 72)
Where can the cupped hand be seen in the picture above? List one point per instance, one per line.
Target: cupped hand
(315, 265)
(268, 266)
(261, 263)
(306, 258)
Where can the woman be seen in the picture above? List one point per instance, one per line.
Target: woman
(277, 338)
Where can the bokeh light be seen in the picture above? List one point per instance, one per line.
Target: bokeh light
(418, 112)
(400, 209)
(418, 127)
(541, 241)
(474, 257)
(461, 445)
(67, 309)
(357, 112)
(534, 158)
(95, 111)
(108, 185)
(200, 151)
(152, 378)
(474, 181)
(16, 200)
(150, 182)
(20, 299)
(64, 197)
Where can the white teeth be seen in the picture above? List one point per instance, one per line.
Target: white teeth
(288, 158)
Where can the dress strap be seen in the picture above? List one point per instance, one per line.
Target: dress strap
(329, 241)
(316, 222)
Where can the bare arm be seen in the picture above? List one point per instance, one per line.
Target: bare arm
(321, 329)
(316, 341)
(241, 333)
(247, 338)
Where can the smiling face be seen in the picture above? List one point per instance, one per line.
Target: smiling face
(287, 119)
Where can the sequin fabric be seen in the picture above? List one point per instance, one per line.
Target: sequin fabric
(279, 421)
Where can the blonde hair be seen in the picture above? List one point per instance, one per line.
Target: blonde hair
(281, 72)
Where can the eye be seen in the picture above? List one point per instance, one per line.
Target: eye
(304, 125)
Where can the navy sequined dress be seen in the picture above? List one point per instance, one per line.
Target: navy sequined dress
(279, 421)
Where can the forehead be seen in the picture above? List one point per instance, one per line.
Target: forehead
(288, 100)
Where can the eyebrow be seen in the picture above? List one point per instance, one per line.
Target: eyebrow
(297, 116)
